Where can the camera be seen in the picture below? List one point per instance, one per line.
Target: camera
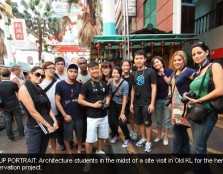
(104, 105)
(190, 95)
(168, 100)
(138, 95)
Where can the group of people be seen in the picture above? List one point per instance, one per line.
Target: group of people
(92, 102)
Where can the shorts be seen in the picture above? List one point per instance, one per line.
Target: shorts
(142, 115)
(76, 125)
(97, 128)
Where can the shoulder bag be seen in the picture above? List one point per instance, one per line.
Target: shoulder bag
(217, 103)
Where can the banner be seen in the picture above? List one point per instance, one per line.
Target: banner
(18, 30)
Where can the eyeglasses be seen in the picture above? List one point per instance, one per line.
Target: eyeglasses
(40, 75)
(51, 68)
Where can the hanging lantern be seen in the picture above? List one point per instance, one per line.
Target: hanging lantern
(85, 8)
(70, 28)
(109, 50)
(98, 46)
(151, 45)
(191, 43)
(74, 23)
(59, 37)
(172, 46)
(81, 4)
(142, 44)
(120, 45)
(162, 44)
(182, 44)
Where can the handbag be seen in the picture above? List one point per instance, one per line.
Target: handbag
(217, 103)
(198, 113)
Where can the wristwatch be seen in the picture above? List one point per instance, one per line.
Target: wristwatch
(199, 101)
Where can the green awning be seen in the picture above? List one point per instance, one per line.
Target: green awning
(24, 66)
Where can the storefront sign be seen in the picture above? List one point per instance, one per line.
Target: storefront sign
(217, 53)
(19, 30)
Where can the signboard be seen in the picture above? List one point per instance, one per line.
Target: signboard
(131, 7)
(19, 30)
(217, 53)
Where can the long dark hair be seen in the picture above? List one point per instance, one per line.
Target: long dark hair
(160, 59)
(105, 65)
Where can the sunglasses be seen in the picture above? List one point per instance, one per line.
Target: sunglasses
(40, 75)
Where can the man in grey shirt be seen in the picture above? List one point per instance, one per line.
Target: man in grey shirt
(83, 73)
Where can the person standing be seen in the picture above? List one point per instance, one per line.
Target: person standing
(162, 112)
(15, 72)
(40, 118)
(202, 131)
(67, 92)
(83, 73)
(11, 107)
(118, 94)
(143, 96)
(60, 68)
(180, 83)
(49, 86)
(94, 95)
(125, 65)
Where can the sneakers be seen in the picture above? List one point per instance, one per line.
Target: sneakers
(148, 147)
(126, 143)
(141, 142)
(100, 152)
(115, 139)
(134, 136)
(165, 141)
(158, 139)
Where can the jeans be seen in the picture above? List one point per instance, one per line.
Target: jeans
(180, 139)
(114, 121)
(200, 134)
(9, 119)
(163, 114)
(36, 140)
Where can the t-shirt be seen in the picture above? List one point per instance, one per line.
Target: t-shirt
(162, 86)
(12, 76)
(8, 91)
(61, 77)
(84, 78)
(93, 92)
(50, 94)
(69, 95)
(122, 91)
(129, 80)
(142, 81)
(183, 81)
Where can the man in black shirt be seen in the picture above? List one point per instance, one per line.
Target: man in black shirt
(11, 105)
(94, 95)
(143, 96)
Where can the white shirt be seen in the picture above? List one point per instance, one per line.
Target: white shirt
(51, 94)
(12, 76)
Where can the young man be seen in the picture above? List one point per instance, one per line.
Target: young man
(83, 74)
(143, 96)
(93, 95)
(67, 92)
(11, 107)
(49, 87)
(60, 65)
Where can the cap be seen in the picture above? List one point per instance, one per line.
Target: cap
(72, 66)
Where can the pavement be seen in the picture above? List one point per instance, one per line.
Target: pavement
(214, 147)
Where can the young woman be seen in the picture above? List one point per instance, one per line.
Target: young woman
(162, 112)
(106, 71)
(180, 84)
(118, 92)
(125, 66)
(39, 112)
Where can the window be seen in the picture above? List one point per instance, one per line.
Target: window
(219, 14)
(150, 12)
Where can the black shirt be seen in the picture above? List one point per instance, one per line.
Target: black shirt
(142, 81)
(93, 92)
(8, 91)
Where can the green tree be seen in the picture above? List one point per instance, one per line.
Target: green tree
(39, 18)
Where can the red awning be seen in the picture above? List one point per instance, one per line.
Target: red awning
(68, 48)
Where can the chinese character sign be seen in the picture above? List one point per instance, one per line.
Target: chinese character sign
(19, 30)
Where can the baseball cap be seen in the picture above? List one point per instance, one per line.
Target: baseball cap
(72, 66)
